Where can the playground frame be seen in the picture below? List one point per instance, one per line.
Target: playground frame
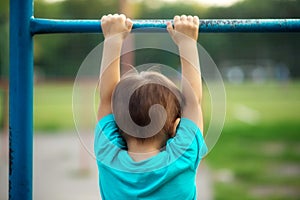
(23, 26)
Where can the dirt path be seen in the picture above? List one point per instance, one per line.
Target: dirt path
(63, 170)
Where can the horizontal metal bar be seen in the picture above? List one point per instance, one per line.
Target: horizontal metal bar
(40, 26)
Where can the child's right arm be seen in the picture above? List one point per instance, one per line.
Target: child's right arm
(185, 34)
(115, 29)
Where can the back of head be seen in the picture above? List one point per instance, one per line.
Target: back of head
(151, 88)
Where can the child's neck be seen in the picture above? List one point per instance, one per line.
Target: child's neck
(139, 151)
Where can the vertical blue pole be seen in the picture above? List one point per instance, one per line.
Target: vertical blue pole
(20, 100)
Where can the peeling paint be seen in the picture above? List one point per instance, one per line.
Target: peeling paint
(43, 26)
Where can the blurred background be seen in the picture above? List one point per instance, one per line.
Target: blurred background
(258, 153)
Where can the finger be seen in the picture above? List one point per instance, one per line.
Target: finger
(190, 18)
(103, 18)
(196, 20)
(122, 17)
(170, 28)
(128, 23)
(176, 19)
(115, 17)
(183, 18)
(108, 17)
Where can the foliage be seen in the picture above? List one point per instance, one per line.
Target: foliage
(60, 55)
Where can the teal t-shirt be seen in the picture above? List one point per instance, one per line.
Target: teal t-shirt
(168, 175)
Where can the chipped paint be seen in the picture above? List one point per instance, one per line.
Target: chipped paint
(43, 26)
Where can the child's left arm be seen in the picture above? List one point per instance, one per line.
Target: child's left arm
(185, 35)
(115, 29)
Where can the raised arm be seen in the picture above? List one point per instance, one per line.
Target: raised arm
(115, 29)
(185, 34)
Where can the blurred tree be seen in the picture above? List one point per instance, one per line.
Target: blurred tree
(53, 52)
(4, 16)
(279, 47)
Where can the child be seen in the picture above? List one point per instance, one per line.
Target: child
(136, 162)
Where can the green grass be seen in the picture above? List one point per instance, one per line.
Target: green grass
(257, 161)
(275, 102)
(53, 107)
(259, 145)
(273, 105)
(263, 156)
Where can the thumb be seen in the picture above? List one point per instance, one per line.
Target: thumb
(129, 23)
(170, 28)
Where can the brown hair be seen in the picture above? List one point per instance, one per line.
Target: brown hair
(152, 88)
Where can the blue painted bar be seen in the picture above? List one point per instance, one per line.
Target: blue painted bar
(40, 26)
(20, 101)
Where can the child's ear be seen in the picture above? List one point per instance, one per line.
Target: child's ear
(175, 127)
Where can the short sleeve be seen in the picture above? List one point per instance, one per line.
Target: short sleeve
(107, 137)
(188, 143)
